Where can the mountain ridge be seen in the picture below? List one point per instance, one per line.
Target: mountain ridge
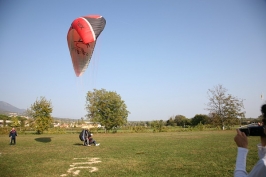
(8, 108)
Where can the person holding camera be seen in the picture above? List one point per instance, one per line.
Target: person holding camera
(259, 170)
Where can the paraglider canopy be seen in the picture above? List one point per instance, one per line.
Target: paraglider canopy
(81, 37)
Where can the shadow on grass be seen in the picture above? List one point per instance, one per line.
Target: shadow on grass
(44, 139)
(78, 144)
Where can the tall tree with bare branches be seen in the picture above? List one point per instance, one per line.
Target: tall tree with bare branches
(223, 107)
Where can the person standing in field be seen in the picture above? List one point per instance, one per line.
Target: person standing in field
(12, 135)
(259, 170)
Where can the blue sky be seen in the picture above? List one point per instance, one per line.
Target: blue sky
(160, 56)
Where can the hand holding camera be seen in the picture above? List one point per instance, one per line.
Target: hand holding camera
(253, 130)
(242, 143)
(241, 139)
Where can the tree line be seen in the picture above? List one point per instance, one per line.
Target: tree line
(224, 110)
(108, 109)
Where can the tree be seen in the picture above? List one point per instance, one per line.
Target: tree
(157, 125)
(31, 123)
(15, 122)
(170, 122)
(224, 107)
(107, 108)
(199, 118)
(181, 120)
(22, 121)
(148, 123)
(41, 111)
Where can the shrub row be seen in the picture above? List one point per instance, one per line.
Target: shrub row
(126, 129)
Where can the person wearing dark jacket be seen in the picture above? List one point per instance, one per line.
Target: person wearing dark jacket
(12, 135)
(92, 141)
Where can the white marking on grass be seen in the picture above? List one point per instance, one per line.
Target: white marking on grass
(76, 165)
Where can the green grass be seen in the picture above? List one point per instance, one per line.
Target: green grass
(202, 153)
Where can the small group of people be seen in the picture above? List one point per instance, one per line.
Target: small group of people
(86, 137)
(259, 170)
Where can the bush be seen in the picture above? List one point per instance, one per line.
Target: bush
(138, 129)
(5, 130)
(56, 130)
(200, 126)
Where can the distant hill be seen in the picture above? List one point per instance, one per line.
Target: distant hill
(8, 108)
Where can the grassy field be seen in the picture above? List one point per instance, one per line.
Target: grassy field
(202, 153)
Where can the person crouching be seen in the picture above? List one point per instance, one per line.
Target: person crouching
(92, 141)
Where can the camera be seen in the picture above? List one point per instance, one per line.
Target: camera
(253, 130)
